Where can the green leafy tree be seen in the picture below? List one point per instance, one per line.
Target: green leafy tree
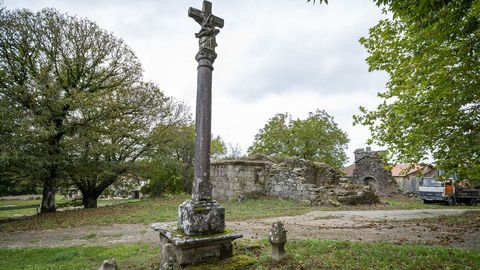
(316, 138)
(169, 167)
(218, 149)
(396, 4)
(72, 94)
(432, 102)
(108, 150)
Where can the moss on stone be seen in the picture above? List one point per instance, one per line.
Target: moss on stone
(179, 233)
(246, 245)
(199, 210)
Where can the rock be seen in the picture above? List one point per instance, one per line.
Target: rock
(341, 192)
(168, 259)
(277, 238)
(334, 203)
(201, 218)
(108, 265)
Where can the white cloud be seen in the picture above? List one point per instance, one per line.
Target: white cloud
(274, 56)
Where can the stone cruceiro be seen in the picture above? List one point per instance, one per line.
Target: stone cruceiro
(199, 234)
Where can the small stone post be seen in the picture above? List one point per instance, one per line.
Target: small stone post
(108, 265)
(277, 237)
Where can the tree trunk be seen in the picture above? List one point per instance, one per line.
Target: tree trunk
(48, 198)
(89, 201)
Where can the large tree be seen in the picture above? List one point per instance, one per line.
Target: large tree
(316, 138)
(64, 82)
(107, 150)
(432, 102)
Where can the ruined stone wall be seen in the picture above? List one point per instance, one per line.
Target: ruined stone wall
(370, 170)
(232, 178)
(299, 179)
(293, 179)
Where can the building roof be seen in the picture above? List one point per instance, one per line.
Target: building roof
(398, 170)
(349, 170)
(406, 169)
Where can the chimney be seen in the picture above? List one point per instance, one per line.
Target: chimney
(359, 153)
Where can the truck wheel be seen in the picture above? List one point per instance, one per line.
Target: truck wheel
(473, 202)
(427, 202)
(451, 201)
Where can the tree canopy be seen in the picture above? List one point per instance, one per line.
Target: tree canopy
(74, 103)
(431, 105)
(316, 138)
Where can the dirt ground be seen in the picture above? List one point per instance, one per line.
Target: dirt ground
(397, 226)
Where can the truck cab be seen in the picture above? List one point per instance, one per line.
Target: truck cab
(449, 191)
(432, 190)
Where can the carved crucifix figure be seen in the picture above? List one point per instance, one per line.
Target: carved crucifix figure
(209, 23)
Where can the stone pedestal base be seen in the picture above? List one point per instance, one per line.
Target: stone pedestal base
(194, 250)
(201, 218)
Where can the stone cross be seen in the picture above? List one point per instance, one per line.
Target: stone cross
(202, 215)
(202, 187)
(205, 15)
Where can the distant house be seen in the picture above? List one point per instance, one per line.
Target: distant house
(369, 168)
(408, 177)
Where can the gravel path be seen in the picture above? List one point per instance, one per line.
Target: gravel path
(369, 226)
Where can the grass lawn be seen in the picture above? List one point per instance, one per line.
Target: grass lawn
(317, 254)
(149, 211)
(307, 254)
(401, 202)
(131, 256)
(165, 209)
(23, 212)
(32, 211)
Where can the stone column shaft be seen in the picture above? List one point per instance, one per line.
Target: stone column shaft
(202, 187)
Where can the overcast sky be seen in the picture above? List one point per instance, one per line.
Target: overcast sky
(273, 56)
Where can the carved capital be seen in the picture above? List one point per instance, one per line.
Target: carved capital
(206, 54)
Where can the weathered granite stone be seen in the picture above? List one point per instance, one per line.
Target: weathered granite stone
(201, 217)
(168, 259)
(277, 237)
(346, 193)
(370, 169)
(202, 187)
(108, 265)
(190, 250)
(293, 178)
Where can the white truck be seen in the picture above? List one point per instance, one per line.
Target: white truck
(450, 191)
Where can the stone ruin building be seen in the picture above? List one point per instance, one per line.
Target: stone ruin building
(293, 178)
(371, 169)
